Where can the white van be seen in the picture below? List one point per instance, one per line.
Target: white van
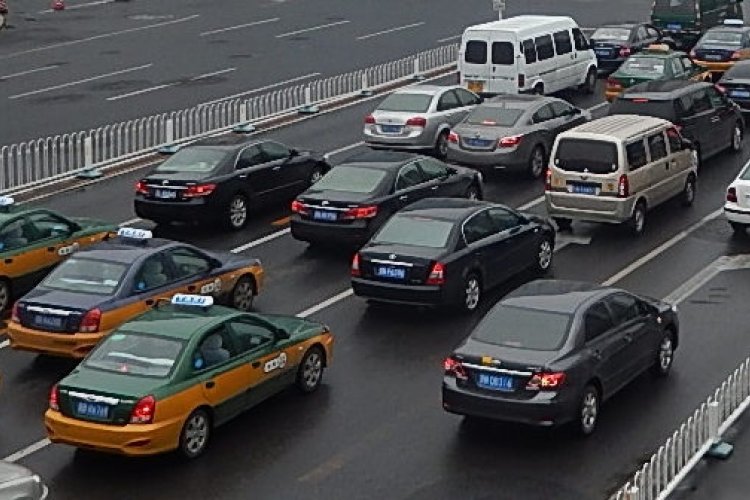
(526, 54)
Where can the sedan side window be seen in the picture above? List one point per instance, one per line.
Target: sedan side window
(701, 102)
(624, 307)
(641, 34)
(249, 336)
(676, 67)
(636, 153)
(215, 348)
(717, 100)
(274, 151)
(188, 262)
(409, 176)
(561, 109)
(12, 236)
(543, 114)
(596, 321)
(480, 226)
(433, 169)
(688, 64)
(153, 274)
(504, 219)
(251, 157)
(448, 101)
(42, 226)
(467, 98)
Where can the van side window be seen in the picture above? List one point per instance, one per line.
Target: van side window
(580, 40)
(636, 153)
(658, 146)
(544, 49)
(563, 45)
(502, 53)
(529, 51)
(675, 142)
(476, 52)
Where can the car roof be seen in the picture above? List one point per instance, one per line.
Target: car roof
(664, 89)
(181, 323)
(454, 209)
(563, 296)
(124, 251)
(232, 142)
(730, 29)
(619, 25)
(426, 89)
(382, 160)
(523, 23)
(527, 100)
(616, 126)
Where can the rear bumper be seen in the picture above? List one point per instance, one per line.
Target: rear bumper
(609, 64)
(571, 206)
(131, 439)
(68, 345)
(714, 67)
(197, 210)
(355, 233)
(400, 294)
(737, 215)
(487, 160)
(412, 141)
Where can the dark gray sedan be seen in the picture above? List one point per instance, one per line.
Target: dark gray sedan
(512, 131)
(552, 351)
(19, 482)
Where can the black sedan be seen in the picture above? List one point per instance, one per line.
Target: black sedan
(220, 179)
(552, 351)
(736, 84)
(355, 198)
(448, 252)
(614, 43)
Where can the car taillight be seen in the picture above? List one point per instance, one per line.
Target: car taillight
(692, 54)
(198, 190)
(613, 82)
(370, 120)
(355, 265)
(54, 398)
(509, 142)
(417, 121)
(623, 187)
(546, 381)
(454, 368)
(141, 187)
(720, 88)
(624, 51)
(453, 137)
(298, 207)
(15, 315)
(143, 411)
(367, 212)
(548, 180)
(639, 100)
(437, 274)
(736, 55)
(732, 195)
(90, 321)
(521, 81)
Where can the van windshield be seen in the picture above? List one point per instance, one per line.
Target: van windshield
(579, 155)
(674, 7)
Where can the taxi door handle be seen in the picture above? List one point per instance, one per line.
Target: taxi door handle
(256, 364)
(51, 249)
(403, 198)
(8, 261)
(192, 288)
(150, 302)
(596, 353)
(210, 384)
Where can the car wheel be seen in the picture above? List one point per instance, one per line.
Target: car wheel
(536, 162)
(473, 193)
(315, 175)
(472, 293)
(739, 229)
(737, 133)
(237, 212)
(563, 224)
(638, 220)
(697, 155)
(664, 355)
(544, 256)
(195, 434)
(441, 146)
(538, 89)
(589, 85)
(688, 192)
(588, 411)
(310, 371)
(243, 294)
(5, 295)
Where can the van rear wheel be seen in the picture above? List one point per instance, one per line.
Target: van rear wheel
(638, 220)
(736, 143)
(688, 192)
(589, 85)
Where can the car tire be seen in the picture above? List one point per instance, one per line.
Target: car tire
(316, 174)
(237, 212)
(536, 163)
(687, 197)
(544, 255)
(697, 152)
(737, 136)
(589, 85)
(664, 355)
(473, 193)
(588, 411)
(6, 295)
(738, 229)
(441, 145)
(563, 223)
(310, 371)
(637, 221)
(195, 434)
(243, 294)
(538, 89)
(471, 294)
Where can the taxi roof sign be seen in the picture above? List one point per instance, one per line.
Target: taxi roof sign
(659, 47)
(134, 233)
(734, 22)
(183, 299)
(6, 203)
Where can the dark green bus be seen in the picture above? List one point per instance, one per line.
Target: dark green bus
(684, 21)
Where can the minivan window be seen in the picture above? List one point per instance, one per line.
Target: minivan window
(675, 141)
(544, 48)
(665, 7)
(658, 146)
(476, 52)
(502, 53)
(523, 328)
(563, 45)
(529, 51)
(580, 40)
(579, 155)
(636, 153)
(643, 106)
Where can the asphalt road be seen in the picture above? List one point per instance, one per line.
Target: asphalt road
(376, 428)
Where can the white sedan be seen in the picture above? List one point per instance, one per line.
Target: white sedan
(737, 206)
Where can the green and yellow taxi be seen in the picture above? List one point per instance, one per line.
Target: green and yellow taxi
(35, 240)
(101, 287)
(657, 62)
(165, 380)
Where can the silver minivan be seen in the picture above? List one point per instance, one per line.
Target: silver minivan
(616, 168)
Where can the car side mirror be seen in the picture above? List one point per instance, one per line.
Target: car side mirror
(280, 334)
(575, 111)
(687, 144)
(293, 153)
(451, 171)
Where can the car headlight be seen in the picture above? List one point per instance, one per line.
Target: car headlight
(674, 307)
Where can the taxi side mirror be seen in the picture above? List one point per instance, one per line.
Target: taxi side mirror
(280, 334)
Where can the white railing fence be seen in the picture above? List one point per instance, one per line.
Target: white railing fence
(658, 477)
(37, 161)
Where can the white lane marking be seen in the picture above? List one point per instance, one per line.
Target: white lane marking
(343, 149)
(29, 71)
(139, 92)
(4, 344)
(313, 28)
(240, 26)
(78, 6)
(635, 265)
(597, 106)
(391, 30)
(32, 448)
(261, 89)
(215, 73)
(130, 221)
(326, 303)
(532, 203)
(724, 263)
(449, 38)
(78, 82)
(98, 37)
(260, 241)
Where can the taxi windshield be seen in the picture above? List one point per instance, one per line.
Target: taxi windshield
(651, 66)
(136, 354)
(729, 38)
(194, 159)
(86, 276)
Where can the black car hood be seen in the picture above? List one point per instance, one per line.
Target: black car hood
(63, 299)
(314, 195)
(509, 357)
(402, 251)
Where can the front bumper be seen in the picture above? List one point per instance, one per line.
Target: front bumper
(130, 439)
(487, 160)
(397, 293)
(68, 345)
(737, 215)
(357, 232)
(589, 208)
(197, 210)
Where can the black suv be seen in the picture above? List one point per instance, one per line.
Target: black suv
(699, 109)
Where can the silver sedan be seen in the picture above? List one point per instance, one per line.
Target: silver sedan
(20, 482)
(418, 118)
(512, 132)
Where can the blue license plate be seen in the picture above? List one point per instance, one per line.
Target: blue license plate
(165, 194)
(495, 382)
(740, 93)
(713, 57)
(584, 189)
(390, 272)
(391, 129)
(324, 215)
(481, 143)
(95, 410)
(48, 321)
(600, 52)
(674, 26)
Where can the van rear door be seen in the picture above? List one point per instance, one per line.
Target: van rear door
(504, 66)
(474, 61)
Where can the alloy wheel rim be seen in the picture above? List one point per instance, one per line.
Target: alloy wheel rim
(589, 410)
(639, 217)
(4, 296)
(689, 192)
(473, 195)
(592, 80)
(665, 354)
(545, 254)
(238, 212)
(472, 294)
(316, 176)
(443, 145)
(737, 138)
(243, 296)
(196, 434)
(537, 163)
(312, 370)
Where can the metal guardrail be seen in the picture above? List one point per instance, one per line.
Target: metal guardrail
(33, 162)
(658, 477)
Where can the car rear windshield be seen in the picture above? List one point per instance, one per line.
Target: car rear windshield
(194, 159)
(578, 155)
(410, 103)
(494, 116)
(351, 179)
(650, 66)
(136, 354)
(415, 231)
(78, 275)
(665, 7)
(730, 38)
(644, 107)
(522, 328)
(619, 34)
(739, 70)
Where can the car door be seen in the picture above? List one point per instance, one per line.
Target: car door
(520, 237)
(488, 248)
(605, 347)
(546, 64)
(290, 171)
(436, 174)
(639, 175)
(449, 109)
(569, 73)
(411, 185)
(153, 280)
(24, 261)
(698, 113)
(545, 124)
(662, 168)
(193, 271)
(255, 173)
(637, 329)
(723, 118)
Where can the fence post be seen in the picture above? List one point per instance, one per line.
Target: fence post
(631, 493)
(366, 90)
(169, 147)
(417, 73)
(309, 108)
(88, 171)
(244, 126)
(719, 449)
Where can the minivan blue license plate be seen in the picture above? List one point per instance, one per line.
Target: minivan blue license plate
(390, 272)
(95, 410)
(674, 26)
(740, 93)
(495, 382)
(584, 189)
(324, 215)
